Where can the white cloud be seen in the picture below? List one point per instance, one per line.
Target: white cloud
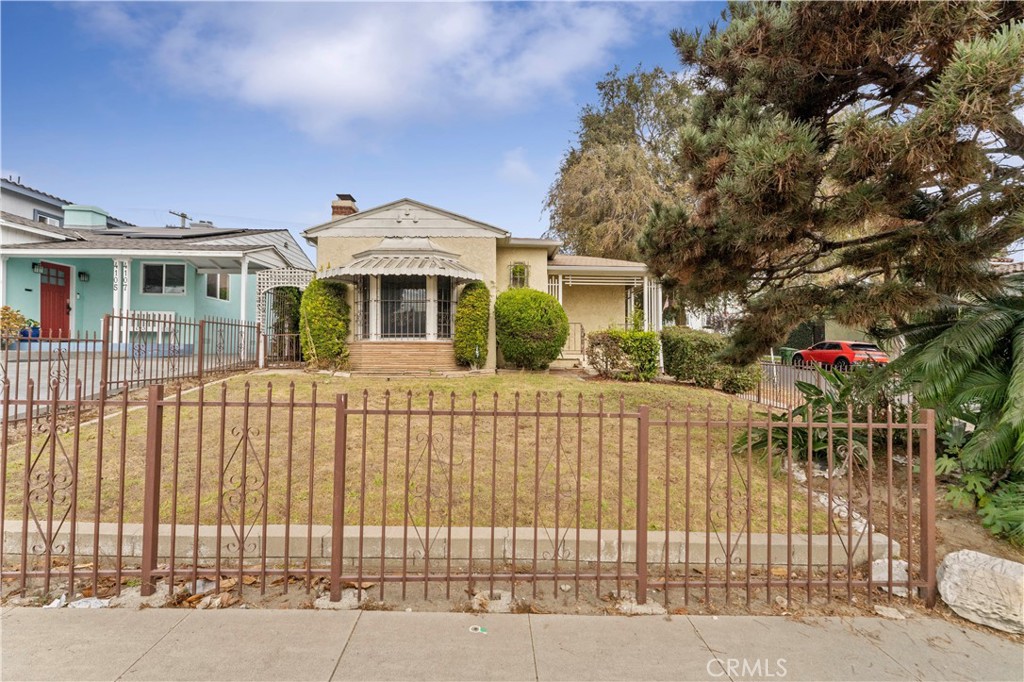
(329, 66)
(515, 168)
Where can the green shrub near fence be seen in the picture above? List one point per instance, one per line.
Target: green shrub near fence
(472, 325)
(324, 323)
(692, 356)
(531, 327)
(624, 354)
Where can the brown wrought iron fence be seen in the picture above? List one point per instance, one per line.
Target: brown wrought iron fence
(132, 350)
(283, 350)
(264, 487)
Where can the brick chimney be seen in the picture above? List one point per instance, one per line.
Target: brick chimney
(344, 205)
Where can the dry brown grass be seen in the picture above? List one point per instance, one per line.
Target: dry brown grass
(487, 471)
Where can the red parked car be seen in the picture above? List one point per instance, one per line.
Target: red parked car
(840, 354)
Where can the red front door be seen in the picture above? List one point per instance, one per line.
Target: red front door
(55, 300)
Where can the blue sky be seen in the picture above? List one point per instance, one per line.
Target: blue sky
(256, 114)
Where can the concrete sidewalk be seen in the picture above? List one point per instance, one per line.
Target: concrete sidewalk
(172, 644)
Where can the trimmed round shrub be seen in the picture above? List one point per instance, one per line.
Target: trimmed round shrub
(324, 323)
(531, 327)
(472, 324)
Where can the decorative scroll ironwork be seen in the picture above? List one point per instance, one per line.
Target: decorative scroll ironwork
(173, 350)
(49, 483)
(245, 490)
(60, 370)
(435, 451)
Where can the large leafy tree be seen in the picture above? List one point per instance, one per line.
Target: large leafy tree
(856, 160)
(620, 166)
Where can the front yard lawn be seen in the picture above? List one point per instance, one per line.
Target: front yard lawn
(549, 471)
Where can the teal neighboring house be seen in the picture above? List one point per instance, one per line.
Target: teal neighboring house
(67, 265)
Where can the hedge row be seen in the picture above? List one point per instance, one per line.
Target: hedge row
(624, 354)
(472, 324)
(691, 355)
(324, 323)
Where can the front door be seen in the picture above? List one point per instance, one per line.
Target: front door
(55, 300)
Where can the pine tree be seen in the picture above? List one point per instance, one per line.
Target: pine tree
(855, 160)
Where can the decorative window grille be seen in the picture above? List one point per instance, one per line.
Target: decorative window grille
(518, 275)
(444, 307)
(361, 324)
(403, 307)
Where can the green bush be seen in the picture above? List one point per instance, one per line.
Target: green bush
(741, 379)
(531, 327)
(624, 354)
(691, 355)
(324, 324)
(472, 324)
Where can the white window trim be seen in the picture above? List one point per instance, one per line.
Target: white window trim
(37, 214)
(142, 279)
(206, 287)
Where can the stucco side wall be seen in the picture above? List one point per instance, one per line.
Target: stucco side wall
(595, 307)
(535, 258)
(477, 253)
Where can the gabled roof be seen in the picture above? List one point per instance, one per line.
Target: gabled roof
(377, 211)
(18, 187)
(404, 256)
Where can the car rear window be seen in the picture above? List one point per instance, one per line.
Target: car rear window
(865, 346)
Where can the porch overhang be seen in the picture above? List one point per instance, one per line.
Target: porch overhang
(213, 260)
(588, 276)
(403, 256)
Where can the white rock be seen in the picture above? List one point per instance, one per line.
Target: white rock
(984, 589)
(889, 612)
(880, 575)
(498, 601)
(629, 606)
(349, 600)
(131, 598)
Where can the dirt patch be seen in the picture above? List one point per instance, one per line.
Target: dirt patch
(957, 529)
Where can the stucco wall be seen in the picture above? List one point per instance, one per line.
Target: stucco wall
(595, 307)
(535, 258)
(94, 299)
(90, 300)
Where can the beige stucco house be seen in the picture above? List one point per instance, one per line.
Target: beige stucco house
(406, 263)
